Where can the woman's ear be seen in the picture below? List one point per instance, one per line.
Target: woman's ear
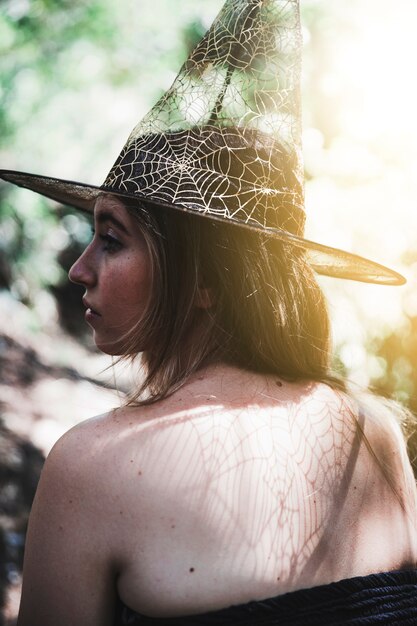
(204, 298)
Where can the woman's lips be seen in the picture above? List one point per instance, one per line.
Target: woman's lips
(91, 316)
(90, 313)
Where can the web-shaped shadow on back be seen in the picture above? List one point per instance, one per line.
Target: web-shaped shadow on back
(259, 490)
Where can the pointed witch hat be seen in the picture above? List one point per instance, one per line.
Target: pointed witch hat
(224, 141)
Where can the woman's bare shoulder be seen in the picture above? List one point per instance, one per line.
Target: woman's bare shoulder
(103, 450)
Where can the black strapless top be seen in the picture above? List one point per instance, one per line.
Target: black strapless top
(388, 598)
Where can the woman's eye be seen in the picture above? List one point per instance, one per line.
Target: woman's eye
(111, 244)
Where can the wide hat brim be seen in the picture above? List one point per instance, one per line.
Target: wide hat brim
(325, 260)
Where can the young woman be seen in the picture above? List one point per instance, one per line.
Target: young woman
(246, 474)
(241, 483)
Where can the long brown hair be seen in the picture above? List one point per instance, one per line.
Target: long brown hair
(267, 312)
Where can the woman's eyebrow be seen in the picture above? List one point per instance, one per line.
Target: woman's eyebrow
(106, 216)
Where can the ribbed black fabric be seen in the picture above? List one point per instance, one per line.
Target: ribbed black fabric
(387, 598)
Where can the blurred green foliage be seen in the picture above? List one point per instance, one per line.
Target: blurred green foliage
(35, 39)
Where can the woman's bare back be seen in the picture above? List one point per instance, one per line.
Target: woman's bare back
(241, 487)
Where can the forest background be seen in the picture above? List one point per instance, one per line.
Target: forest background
(75, 77)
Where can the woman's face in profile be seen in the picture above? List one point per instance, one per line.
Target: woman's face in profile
(115, 270)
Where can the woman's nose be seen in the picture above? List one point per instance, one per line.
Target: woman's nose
(81, 271)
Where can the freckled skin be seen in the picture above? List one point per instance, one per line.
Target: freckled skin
(115, 272)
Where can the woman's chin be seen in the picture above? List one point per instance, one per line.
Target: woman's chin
(110, 348)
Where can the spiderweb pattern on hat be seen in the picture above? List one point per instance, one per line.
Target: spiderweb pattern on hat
(225, 139)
